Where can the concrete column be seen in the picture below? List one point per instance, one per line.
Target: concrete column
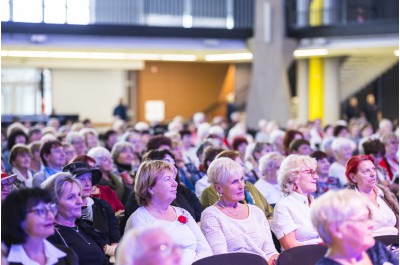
(302, 90)
(331, 90)
(269, 96)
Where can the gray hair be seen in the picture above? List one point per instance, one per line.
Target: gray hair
(119, 148)
(55, 184)
(73, 136)
(339, 142)
(335, 206)
(269, 160)
(290, 168)
(221, 169)
(97, 152)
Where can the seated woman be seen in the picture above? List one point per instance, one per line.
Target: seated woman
(251, 194)
(184, 197)
(27, 217)
(268, 183)
(20, 162)
(7, 184)
(105, 164)
(254, 152)
(88, 243)
(230, 226)
(291, 222)
(361, 175)
(343, 220)
(96, 212)
(156, 188)
(324, 182)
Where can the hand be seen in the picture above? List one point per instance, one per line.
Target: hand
(272, 260)
(127, 179)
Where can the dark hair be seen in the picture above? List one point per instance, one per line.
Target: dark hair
(238, 141)
(185, 132)
(209, 155)
(46, 147)
(318, 155)
(203, 146)
(14, 210)
(295, 145)
(229, 153)
(83, 158)
(288, 138)
(157, 155)
(374, 147)
(156, 141)
(13, 136)
(338, 129)
(107, 134)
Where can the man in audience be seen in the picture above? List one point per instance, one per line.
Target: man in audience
(53, 158)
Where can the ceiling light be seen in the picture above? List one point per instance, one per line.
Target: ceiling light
(229, 57)
(178, 57)
(397, 53)
(310, 52)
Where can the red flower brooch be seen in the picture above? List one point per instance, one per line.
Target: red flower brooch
(182, 219)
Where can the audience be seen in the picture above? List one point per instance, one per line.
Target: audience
(20, 162)
(7, 182)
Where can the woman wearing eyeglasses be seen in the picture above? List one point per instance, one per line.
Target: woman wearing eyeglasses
(343, 219)
(155, 189)
(362, 177)
(72, 232)
(27, 217)
(291, 222)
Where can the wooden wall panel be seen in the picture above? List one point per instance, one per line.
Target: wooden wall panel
(185, 87)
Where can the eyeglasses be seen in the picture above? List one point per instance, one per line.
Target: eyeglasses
(166, 249)
(309, 172)
(43, 211)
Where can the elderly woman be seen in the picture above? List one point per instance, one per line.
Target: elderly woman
(77, 141)
(148, 246)
(342, 149)
(88, 243)
(343, 220)
(105, 164)
(230, 226)
(26, 221)
(156, 188)
(95, 212)
(361, 174)
(291, 222)
(268, 183)
(251, 194)
(126, 161)
(20, 161)
(90, 136)
(391, 160)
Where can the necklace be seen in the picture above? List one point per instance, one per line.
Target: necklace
(223, 206)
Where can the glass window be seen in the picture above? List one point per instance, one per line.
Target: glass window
(55, 11)
(78, 12)
(5, 10)
(27, 11)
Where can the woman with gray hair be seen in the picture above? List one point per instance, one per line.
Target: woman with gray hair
(291, 222)
(343, 220)
(105, 164)
(230, 226)
(126, 161)
(268, 183)
(88, 243)
(342, 149)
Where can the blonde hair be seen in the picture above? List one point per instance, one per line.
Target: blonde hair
(146, 178)
(55, 184)
(290, 168)
(335, 206)
(221, 169)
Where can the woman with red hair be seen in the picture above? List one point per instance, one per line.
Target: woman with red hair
(384, 207)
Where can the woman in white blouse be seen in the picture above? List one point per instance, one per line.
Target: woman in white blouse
(291, 222)
(230, 226)
(361, 174)
(155, 189)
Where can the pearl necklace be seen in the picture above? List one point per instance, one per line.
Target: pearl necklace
(223, 206)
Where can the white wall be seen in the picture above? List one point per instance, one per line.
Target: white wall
(91, 94)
